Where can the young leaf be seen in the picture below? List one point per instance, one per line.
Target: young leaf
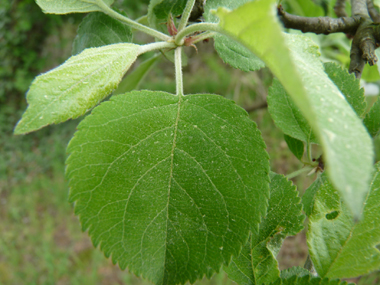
(231, 51)
(337, 246)
(76, 86)
(133, 80)
(98, 29)
(72, 6)
(287, 116)
(348, 85)
(257, 262)
(169, 186)
(372, 119)
(347, 147)
(296, 146)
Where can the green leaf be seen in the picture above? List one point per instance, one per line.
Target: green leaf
(307, 280)
(70, 6)
(236, 55)
(164, 8)
(339, 247)
(348, 85)
(133, 80)
(257, 262)
(309, 196)
(231, 51)
(372, 119)
(169, 186)
(296, 146)
(76, 86)
(287, 116)
(294, 271)
(347, 147)
(98, 29)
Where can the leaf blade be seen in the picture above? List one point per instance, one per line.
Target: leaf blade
(98, 29)
(76, 86)
(164, 211)
(72, 6)
(257, 262)
(348, 155)
(231, 51)
(337, 246)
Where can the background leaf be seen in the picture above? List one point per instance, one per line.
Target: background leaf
(337, 246)
(307, 280)
(348, 85)
(133, 80)
(70, 6)
(166, 7)
(76, 86)
(98, 29)
(176, 183)
(257, 262)
(309, 196)
(296, 146)
(230, 51)
(372, 119)
(347, 147)
(287, 116)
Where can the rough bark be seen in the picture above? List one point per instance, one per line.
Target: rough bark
(362, 26)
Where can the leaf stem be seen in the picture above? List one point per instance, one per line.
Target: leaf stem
(186, 14)
(308, 152)
(299, 171)
(180, 37)
(156, 46)
(178, 71)
(133, 24)
(203, 36)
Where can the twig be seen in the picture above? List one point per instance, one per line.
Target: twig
(375, 16)
(340, 8)
(254, 108)
(319, 25)
(359, 8)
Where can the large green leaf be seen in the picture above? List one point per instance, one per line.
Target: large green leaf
(98, 29)
(76, 86)
(71, 6)
(257, 262)
(372, 119)
(338, 246)
(230, 51)
(169, 186)
(294, 60)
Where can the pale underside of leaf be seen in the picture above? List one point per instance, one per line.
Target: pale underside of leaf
(76, 86)
(338, 247)
(169, 186)
(71, 6)
(294, 60)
